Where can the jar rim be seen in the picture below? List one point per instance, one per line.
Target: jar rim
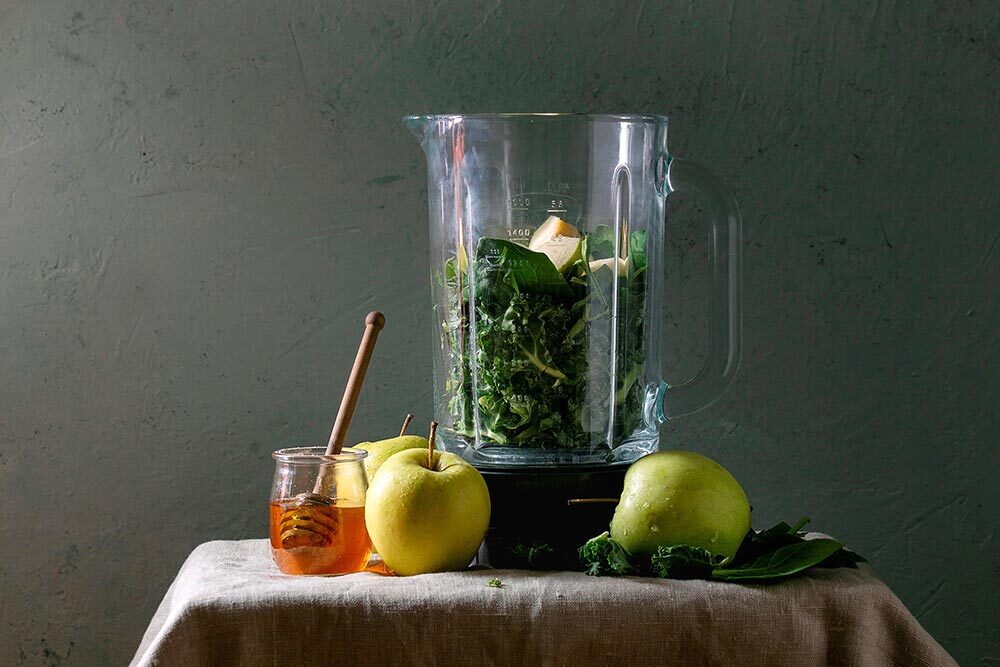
(317, 455)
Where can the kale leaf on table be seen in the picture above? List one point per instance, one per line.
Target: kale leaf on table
(684, 562)
(601, 555)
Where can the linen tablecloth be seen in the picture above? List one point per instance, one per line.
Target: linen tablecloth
(229, 605)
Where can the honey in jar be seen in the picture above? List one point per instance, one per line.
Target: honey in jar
(319, 538)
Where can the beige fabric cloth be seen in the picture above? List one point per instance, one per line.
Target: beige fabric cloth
(230, 606)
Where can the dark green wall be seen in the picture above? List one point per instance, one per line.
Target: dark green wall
(200, 200)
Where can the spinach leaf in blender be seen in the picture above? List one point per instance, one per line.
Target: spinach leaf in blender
(503, 269)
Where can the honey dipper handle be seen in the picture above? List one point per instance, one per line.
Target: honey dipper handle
(373, 325)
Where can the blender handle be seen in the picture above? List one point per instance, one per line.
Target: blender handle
(724, 326)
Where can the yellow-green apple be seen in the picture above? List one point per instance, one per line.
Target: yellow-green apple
(427, 519)
(677, 497)
(380, 450)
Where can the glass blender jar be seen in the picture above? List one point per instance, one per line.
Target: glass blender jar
(547, 236)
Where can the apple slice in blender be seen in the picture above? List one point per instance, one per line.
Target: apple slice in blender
(610, 263)
(559, 241)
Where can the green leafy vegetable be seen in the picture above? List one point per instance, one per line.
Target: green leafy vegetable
(503, 269)
(783, 562)
(542, 348)
(600, 244)
(637, 250)
(684, 562)
(494, 583)
(531, 339)
(775, 553)
(759, 543)
(528, 374)
(601, 555)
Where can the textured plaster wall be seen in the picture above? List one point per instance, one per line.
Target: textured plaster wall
(200, 200)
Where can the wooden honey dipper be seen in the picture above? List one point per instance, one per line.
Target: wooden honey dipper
(310, 520)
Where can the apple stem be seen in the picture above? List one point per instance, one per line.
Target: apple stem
(592, 501)
(406, 423)
(430, 445)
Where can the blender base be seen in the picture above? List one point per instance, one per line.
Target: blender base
(531, 524)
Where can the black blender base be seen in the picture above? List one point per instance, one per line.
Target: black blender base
(532, 524)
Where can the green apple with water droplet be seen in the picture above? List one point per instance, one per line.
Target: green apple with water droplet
(380, 450)
(677, 497)
(427, 516)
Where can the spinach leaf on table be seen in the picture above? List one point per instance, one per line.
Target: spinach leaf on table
(758, 543)
(783, 549)
(783, 562)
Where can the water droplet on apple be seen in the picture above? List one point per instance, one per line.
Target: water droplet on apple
(654, 529)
